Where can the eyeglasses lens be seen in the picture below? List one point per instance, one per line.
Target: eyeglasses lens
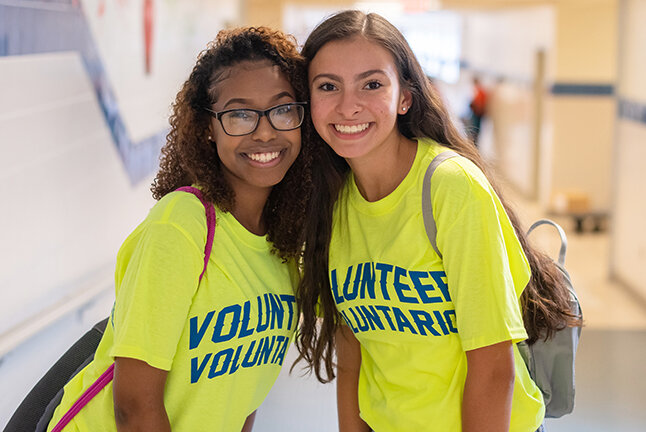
(286, 117)
(239, 122)
(243, 121)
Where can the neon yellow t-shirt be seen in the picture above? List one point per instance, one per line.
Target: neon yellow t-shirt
(223, 342)
(415, 314)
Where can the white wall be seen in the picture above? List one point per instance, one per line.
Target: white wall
(503, 42)
(628, 254)
(68, 205)
(69, 202)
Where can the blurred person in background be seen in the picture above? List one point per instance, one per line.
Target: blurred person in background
(477, 110)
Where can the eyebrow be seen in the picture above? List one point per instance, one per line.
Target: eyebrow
(358, 77)
(243, 101)
(367, 73)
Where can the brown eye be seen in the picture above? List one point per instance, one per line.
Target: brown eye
(327, 87)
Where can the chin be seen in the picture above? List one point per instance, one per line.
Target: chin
(273, 180)
(348, 152)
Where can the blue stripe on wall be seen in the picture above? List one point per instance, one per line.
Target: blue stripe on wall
(574, 89)
(630, 110)
(62, 26)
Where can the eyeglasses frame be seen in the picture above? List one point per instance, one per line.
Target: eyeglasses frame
(261, 113)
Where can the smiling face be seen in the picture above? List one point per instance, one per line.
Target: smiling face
(261, 158)
(356, 97)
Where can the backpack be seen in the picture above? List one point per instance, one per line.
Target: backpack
(36, 410)
(44, 397)
(550, 363)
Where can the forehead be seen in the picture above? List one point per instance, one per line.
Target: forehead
(348, 57)
(255, 81)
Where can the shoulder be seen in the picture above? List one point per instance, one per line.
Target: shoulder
(175, 226)
(179, 211)
(457, 180)
(176, 207)
(462, 174)
(458, 173)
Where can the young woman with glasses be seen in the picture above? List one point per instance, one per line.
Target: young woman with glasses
(203, 355)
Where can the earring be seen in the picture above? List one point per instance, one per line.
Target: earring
(404, 109)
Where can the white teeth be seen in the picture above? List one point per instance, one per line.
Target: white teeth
(263, 157)
(351, 129)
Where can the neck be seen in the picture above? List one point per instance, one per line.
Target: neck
(249, 205)
(378, 174)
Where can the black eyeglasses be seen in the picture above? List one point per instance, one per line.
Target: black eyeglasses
(243, 121)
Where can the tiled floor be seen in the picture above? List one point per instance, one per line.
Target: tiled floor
(611, 361)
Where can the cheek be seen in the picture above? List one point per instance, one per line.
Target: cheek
(222, 151)
(390, 104)
(318, 111)
(294, 138)
(388, 114)
(215, 129)
(225, 145)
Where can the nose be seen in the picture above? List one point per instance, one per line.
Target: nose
(265, 131)
(349, 105)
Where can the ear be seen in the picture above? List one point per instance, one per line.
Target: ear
(211, 132)
(405, 101)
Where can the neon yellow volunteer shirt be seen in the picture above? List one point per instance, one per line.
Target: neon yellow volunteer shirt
(415, 314)
(223, 342)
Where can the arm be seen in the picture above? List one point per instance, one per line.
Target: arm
(348, 352)
(248, 424)
(139, 396)
(489, 387)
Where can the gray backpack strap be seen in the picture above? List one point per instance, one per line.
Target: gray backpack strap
(561, 234)
(427, 207)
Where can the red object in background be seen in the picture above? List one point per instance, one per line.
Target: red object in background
(479, 102)
(148, 34)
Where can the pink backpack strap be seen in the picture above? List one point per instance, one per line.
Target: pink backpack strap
(210, 222)
(86, 397)
(107, 376)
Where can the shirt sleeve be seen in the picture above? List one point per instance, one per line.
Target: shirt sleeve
(155, 294)
(485, 265)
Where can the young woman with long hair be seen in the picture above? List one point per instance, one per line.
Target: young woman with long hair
(423, 342)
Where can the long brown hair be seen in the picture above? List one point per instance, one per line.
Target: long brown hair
(189, 157)
(545, 299)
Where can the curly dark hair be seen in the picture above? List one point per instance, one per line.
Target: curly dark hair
(189, 157)
(545, 300)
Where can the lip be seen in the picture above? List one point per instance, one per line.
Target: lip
(351, 136)
(259, 164)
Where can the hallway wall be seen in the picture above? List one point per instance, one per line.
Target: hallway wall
(501, 46)
(581, 105)
(540, 133)
(628, 251)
